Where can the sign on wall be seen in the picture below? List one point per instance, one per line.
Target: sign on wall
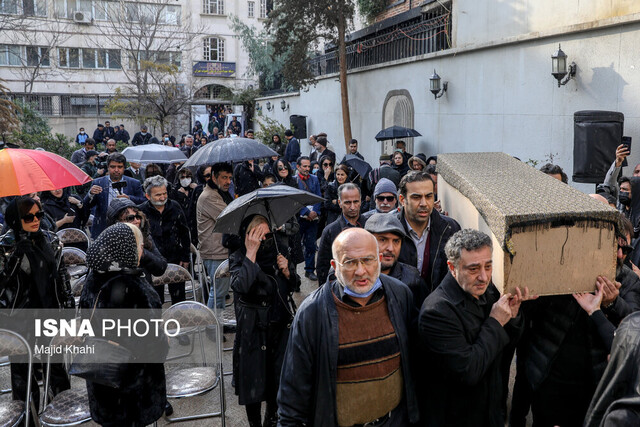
(214, 69)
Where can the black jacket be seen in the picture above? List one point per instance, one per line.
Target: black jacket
(384, 171)
(245, 180)
(616, 401)
(629, 299)
(464, 348)
(122, 135)
(307, 394)
(410, 276)
(333, 210)
(442, 228)
(329, 234)
(169, 230)
(140, 139)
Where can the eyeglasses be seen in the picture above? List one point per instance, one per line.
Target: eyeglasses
(385, 198)
(207, 175)
(29, 218)
(626, 250)
(130, 218)
(352, 264)
(327, 164)
(281, 168)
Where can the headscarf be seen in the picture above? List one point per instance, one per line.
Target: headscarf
(57, 207)
(403, 167)
(115, 249)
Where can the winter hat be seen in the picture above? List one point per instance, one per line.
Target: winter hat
(116, 207)
(384, 223)
(115, 249)
(418, 159)
(385, 185)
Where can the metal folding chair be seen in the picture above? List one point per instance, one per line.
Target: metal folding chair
(76, 262)
(68, 408)
(177, 274)
(74, 237)
(198, 380)
(12, 412)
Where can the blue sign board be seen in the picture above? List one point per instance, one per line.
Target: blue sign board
(214, 69)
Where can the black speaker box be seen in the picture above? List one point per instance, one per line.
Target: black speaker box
(299, 126)
(596, 135)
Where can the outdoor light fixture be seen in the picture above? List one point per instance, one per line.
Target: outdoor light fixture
(284, 105)
(269, 106)
(258, 107)
(559, 67)
(434, 85)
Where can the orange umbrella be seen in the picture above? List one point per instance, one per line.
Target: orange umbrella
(27, 171)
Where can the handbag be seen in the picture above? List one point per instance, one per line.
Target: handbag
(115, 359)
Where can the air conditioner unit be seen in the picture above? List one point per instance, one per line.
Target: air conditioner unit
(82, 17)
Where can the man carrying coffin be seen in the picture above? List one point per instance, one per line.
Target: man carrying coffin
(465, 326)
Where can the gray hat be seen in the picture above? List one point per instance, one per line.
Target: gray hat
(116, 207)
(384, 223)
(385, 185)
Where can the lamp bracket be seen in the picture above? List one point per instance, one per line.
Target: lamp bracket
(570, 74)
(445, 85)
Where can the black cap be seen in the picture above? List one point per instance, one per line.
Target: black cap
(116, 207)
(384, 223)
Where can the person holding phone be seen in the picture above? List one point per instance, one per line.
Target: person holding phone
(65, 208)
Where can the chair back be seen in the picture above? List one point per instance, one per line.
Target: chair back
(222, 270)
(73, 256)
(190, 314)
(173, 274)
(14, 344)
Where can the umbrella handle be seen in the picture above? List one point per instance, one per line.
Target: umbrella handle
(272, 219)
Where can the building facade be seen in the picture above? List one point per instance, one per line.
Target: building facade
(69, 57)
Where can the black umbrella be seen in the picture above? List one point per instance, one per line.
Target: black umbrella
(277, 203)
(359, 165)
(229, 150)
(396, 132)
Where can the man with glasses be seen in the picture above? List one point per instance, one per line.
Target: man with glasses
(386, 197)
(349, 201)
(348, 358)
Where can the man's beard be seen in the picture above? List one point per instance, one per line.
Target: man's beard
(159, 203)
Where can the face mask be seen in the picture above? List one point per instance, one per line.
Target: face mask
(143, 133)
(624, 198)
(166, 139)
(81, 132)
(315, 170)
(185, 182)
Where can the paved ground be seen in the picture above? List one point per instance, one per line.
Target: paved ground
(235, 414)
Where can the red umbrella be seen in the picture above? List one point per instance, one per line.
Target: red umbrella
(27, 171)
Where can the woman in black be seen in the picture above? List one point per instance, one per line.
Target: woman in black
(65, 209)
(116, 281)
(400, 163)
(31, 277)
(186, 191)
(331, 206)
(284, 173)
(262, 279)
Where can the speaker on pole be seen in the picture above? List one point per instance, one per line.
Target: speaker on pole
(299, 126)
(596, 135)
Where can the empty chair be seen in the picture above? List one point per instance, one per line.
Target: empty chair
(75, 260)
(12, 412)
(177, 274)
(74, 237)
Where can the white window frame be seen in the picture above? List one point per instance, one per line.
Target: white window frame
(7, 55)
(251, 9)
(66, 53)
(219, 49)
(4, 5)
(40, 55)
(213, 7)
(39, 7)
(96, 62)
(263, 9)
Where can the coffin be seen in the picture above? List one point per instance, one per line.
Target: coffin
(546, 235)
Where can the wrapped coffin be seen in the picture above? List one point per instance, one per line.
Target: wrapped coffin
(546, 235)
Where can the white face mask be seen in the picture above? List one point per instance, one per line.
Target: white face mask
(185, 182)
(81, 132)
(315, 170)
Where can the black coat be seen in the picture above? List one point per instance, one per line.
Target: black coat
(384, 171)
(329, 234)
(464, 347)
(410, 276)
(333, 210)
(170, 230)
(629, 299)
(142, 398)
(264, 316)
(442, 228)
(245, 180)
(307, 394)
(140, 139)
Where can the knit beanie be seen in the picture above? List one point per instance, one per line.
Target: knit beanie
(385, 185)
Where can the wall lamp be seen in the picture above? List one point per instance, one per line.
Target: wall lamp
(269, 106)
(258, 108)
(434, 85)
(559, 67)
(284, 105)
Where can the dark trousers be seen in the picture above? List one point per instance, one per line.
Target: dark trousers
(176, 290)
(555, 404)
(308, 231)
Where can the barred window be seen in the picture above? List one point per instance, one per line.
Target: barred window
(213, 49)
(213, 7)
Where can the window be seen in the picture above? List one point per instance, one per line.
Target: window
(9, 7)
(10, 55)
(263, 9)
(69, 57)
(66, 8)
(213, 7)
(153, 13)
(37, 56)
(101, 58)
(251, 8)
(165, 58)
(34, 7)
(213, 49)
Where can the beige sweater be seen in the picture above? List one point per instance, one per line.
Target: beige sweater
(210, 204)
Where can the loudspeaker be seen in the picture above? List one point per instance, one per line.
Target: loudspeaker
(299, 126)
(596, 135)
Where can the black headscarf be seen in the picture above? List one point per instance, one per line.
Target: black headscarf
(114, 250)
(37, 248)
(57, 207)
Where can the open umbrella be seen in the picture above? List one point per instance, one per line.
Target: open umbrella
(359, 165)
(154, 153)
(277, 203)
(27, 171)
(394, 132)
(229, 150)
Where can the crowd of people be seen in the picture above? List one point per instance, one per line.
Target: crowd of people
(405, 328)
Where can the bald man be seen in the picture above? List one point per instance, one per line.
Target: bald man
(347, 361)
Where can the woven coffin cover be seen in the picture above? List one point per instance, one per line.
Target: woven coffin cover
(527, 211)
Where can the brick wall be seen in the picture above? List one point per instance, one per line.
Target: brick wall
(400, 6)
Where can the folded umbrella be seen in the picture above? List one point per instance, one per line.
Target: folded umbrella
(229, 150)
(277, 203)
(394, 132)
(154, 153)
(359, 165)
(25, 171)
